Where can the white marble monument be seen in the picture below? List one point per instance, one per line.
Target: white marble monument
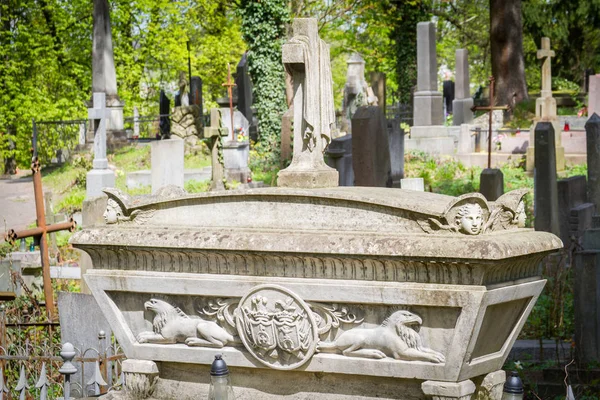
(100, 176)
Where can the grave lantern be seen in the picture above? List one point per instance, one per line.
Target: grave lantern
(513, 388)
(220, 383)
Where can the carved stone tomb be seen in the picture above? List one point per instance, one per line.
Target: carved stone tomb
(337, 293)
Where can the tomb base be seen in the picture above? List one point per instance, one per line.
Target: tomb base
(316, 178)
(461, 111)
(97, 179)
(428, 108)
(433, 145)
(235, 158)
(560, 150)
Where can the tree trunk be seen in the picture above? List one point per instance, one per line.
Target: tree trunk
(506, 40)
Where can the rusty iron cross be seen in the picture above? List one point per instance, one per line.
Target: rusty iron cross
(39, 235)
(490, 109)
(230, 86)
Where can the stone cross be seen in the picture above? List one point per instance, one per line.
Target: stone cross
(98, 116)
(490, 109)
(229, 84)
(546, 54)
(306, 59)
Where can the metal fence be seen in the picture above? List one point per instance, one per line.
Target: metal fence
(54, 141)
(30, 365)
(402, 112)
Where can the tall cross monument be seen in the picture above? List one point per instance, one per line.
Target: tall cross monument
(306, 60)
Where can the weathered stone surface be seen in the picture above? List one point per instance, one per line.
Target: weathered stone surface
(571, 194)
(186, 122)
(413, 184)
(594, 95)
(306, 58)
(339, 156)
(428, 108)
(592, 133)
(100, 176)
(343, 284)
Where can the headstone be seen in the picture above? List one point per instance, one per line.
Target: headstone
(491, 183)
(428, 132)
(448, 95)
(586, 79)
(100, 176)
(461, 106)
(594, 95)
(356, 90)
(417, 184)
(545, 110)
(370, 148)
(573, 206)
(339, 156)
(9, 289)
(286, 136)
(167, 163)
(592, 133)
(545, 187)
(214, 135)
(81, 321)
(244, 88)
(396, 141)
(306, 58)
(136, 123)
(378, 83)
(104, 77)
(164, 111)
(196, 92)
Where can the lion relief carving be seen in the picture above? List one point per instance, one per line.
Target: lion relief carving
(171, 325)
(396, 337)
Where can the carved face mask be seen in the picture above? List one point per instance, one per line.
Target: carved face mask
(112, 213)
(470, 219)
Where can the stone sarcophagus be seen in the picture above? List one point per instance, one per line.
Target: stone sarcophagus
(333, 293)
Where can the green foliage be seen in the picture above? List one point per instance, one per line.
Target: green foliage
(72, 202)
(197, 186)
(262, 169)
(264, 28)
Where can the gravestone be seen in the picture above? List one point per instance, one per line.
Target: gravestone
(104, 78)
(236, 152)
(81, 321)
(396, 141)
(592, 133)
(378, 83)
(461, 106)
(594, 95)
(196, 92)
(244, 89)
(492, 183)
(100, 176)
(545, 110)
(545, 187)
(575, 213)
(167, 158)
(164, 119)
(370, 148)
(214, 135)
(339, 156)
(356, 90)
(306, 58)
(417, 184)
(428, 132)
(286, 136)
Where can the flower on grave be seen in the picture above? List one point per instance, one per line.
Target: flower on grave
(518, 365)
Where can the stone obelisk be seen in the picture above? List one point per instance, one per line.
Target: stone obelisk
(104, 77)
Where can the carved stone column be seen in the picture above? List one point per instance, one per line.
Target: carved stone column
(140, 378)
(448, 390)
(491, 386)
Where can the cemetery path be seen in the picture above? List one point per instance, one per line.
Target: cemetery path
(17, 204)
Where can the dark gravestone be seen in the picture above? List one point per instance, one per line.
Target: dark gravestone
(339, 156)
(592, 134)
(448, 93)
(244, 88)
(370, 148)
(196, 92)
(10, 163)
(396, 141)
(545, 187)
(378, 84)
(164, 121)
(571, 194)
(491, 183)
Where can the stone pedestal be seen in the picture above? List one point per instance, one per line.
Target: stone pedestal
(235, 158)
(462, 113)
(413, 184)
(141, 377)
(428, 108)
(491, 184)
(167, 163)
(466, 140)
(448, 390)
(432, 139)
(98, 179)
